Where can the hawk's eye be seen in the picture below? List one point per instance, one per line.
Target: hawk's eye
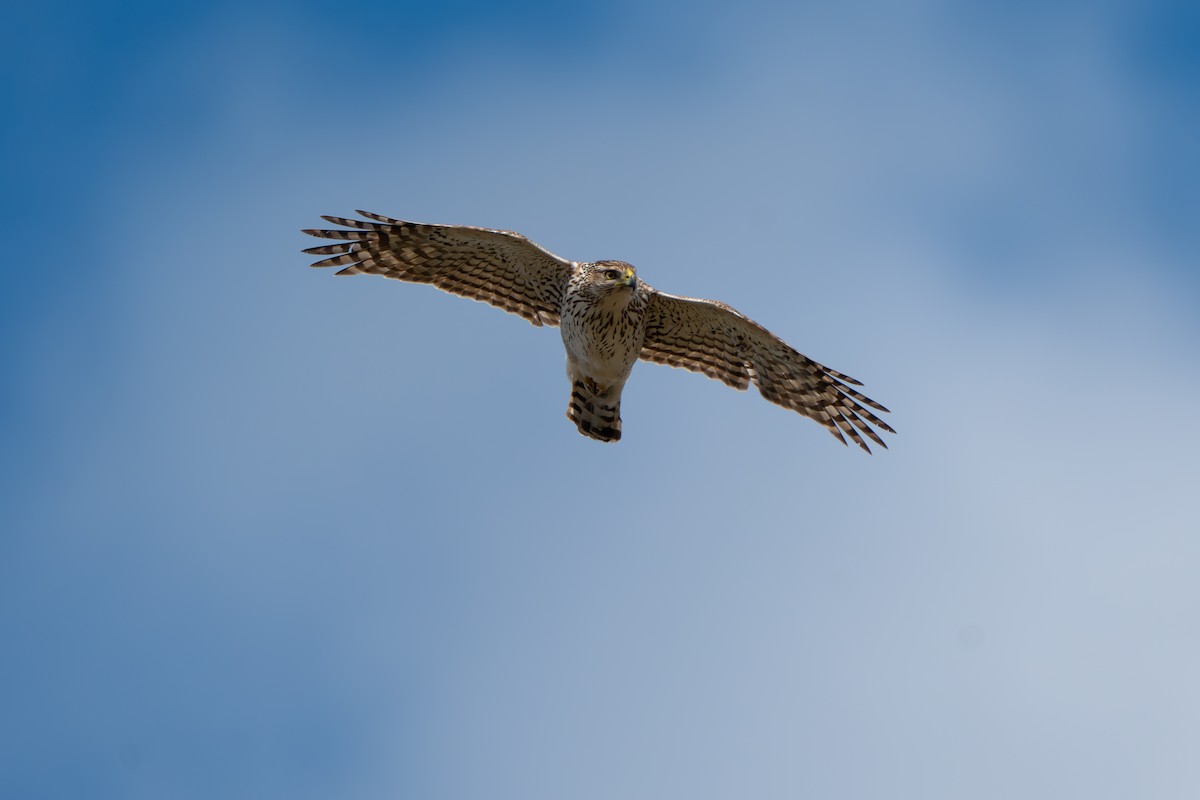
(612, 274)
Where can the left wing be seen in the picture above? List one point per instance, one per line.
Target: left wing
(498, 267)
(710, 337)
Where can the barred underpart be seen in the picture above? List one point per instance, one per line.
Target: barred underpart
(594, 417)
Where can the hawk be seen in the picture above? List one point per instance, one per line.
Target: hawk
(609, 319)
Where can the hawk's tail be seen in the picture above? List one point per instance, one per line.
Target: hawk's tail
(594, 414)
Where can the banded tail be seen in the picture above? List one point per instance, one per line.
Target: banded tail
(595, 414)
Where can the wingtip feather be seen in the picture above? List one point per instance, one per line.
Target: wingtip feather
(378, 217)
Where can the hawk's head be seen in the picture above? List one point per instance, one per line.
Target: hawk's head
(604, 277)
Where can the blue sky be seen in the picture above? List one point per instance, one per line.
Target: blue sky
(271, 534)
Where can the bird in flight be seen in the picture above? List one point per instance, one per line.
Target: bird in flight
(609, 318)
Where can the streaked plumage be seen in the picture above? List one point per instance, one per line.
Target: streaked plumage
(608, 317)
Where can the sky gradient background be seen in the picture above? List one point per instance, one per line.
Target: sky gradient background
(270, 534)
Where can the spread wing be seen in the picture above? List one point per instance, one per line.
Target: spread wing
(498, 267)
(710, 337)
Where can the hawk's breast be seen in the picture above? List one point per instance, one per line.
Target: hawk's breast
(603, 337)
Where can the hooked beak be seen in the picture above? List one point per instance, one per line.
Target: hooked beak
(630, 279)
